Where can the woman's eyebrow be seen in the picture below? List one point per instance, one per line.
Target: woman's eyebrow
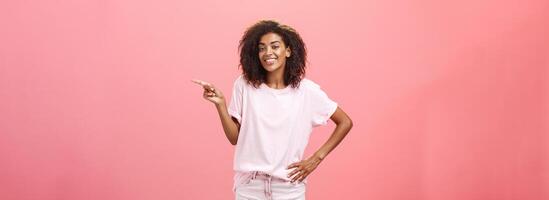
(261, 43)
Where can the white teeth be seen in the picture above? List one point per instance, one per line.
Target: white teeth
(270, 61)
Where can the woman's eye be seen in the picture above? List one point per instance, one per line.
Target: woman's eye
(275, 47)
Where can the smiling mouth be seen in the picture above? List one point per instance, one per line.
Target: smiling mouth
(270, 60)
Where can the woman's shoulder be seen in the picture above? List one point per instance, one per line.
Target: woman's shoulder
(240, 80)
(308, 84)
(240, 77)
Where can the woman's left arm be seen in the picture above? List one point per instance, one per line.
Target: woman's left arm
(306, 167)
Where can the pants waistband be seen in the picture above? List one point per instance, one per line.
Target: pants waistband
(267, 178)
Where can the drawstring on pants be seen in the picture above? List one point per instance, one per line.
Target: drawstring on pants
(268, 191)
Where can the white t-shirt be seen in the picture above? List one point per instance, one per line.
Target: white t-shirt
(275, 124)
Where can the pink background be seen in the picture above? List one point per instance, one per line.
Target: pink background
(449, 99)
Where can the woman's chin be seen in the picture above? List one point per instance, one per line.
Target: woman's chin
(270, 68)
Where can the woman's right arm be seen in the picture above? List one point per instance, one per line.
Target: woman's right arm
(231, 126)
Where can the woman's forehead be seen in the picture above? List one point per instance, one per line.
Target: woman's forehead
(270, 38)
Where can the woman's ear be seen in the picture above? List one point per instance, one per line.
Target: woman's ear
(288, 52)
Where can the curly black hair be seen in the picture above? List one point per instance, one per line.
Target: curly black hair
(252, 70)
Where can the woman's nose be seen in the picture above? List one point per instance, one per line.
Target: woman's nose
(269, 50)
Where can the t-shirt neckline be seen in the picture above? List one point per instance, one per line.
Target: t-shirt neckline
(276, 91)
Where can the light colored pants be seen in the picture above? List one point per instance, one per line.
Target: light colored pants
(262, 186)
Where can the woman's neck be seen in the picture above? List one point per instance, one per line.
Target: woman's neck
(275, 79)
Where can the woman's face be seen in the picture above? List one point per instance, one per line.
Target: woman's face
(273, 52)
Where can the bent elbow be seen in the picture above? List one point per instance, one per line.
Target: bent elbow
(233, 142)
(350, 123)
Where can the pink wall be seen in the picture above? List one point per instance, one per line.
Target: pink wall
(450, 99)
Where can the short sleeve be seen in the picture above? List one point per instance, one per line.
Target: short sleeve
(322, 106)
(235, 106)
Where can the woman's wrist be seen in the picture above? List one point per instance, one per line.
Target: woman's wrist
(319, 155)
(221, 105)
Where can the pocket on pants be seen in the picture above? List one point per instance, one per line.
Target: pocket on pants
(288, 190)
(241, 179)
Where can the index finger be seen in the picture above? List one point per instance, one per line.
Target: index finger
(202, 83)
(292, 165)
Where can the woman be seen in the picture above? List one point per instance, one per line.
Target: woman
(271, 114)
